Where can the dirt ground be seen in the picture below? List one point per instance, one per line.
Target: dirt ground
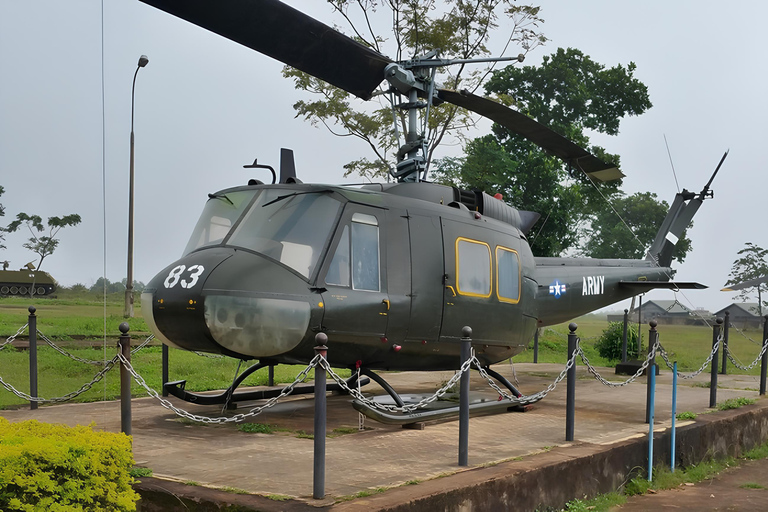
(735, 489)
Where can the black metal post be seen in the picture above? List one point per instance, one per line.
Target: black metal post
(318, 480)
(466, 352)
(165, 368)
(570, 396)
(32, 356)
(536, 346)
(726, 326)
(124, 345)
(764, 360)
(271, 376)
(653, 336)
(715, 359)
(624, 337)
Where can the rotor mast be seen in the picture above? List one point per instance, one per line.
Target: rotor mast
(413, 79)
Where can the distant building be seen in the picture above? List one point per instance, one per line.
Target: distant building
(742, 314)
(664, 312)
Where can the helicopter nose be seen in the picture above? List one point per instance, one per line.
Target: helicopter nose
(173, 301)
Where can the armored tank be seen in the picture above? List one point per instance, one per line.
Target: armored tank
(25, 282)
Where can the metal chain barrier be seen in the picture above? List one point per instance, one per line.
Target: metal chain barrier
(210, 356)
(394, 408)
(68, 396)
(529, 399)
(743, 334)
(715, 348)
(222, 419)
(606, 382)
(753, 364)
(66, 353)
(10, 339)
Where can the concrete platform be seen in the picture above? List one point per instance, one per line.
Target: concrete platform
(387, 456)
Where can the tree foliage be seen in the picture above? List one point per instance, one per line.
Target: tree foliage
(462, 29)
(750, 264)
(643, 214)
(42, 245)
(570, 93)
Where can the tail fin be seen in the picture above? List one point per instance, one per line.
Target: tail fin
(679, 217)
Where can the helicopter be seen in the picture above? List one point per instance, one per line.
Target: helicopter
(390, 272)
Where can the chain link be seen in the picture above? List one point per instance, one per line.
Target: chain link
(68, 354)
(743, 334)
(210, 356)
(222, 419)
(10, 339)
(68, 396)
(753, 364)
(715, 348)
(638, 373)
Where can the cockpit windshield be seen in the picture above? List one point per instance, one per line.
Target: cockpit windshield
(288, 226)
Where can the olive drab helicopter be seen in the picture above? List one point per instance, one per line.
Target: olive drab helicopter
(391, 272)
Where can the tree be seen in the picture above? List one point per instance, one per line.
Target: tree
(570, 93)
(751, 264)
(44, 245)
(464, 31)
(643, 213)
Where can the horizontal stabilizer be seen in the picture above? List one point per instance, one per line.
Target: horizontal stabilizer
(746, 284)
(644, 286)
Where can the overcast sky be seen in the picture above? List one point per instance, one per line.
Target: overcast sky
(205, 106)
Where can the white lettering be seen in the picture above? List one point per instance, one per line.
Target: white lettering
(593, 285)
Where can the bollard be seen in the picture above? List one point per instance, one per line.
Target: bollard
(318, 480)
(124, 345)
(570, 397)
(639, 325)
(726, 324)
(165, 368)
(466, 352)
(653, 337)
(536, 346)
(764, 359)
(674, 417)
(624, 338)
(652, 382)
(715, 359)
(32, 356)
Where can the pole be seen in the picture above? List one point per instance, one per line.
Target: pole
(624, 338)
(653, 336)
(674, 416)
(271, 375)
(32, 356)
(466, 352)
(124, 345)
(715, 359)
(165, 368)
(128, 312)
(570, 398)
(764, 360)
(652, 382)
(536, 346)
(726, 326)
(318, 480)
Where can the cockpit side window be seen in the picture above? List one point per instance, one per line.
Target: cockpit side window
(356, 259)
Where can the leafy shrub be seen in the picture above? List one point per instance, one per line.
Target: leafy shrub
(59, 468)
(610, 341)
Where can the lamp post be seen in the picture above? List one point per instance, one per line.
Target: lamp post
(128, 313)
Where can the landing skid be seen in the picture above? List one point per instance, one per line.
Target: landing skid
(437, 410)
(228, 396)
(482, 406)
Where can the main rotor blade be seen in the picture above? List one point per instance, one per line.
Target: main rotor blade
(536, 132)
(746, 284)
(290, 36)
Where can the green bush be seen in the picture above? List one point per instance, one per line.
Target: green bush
(59, 468)
(609, 343)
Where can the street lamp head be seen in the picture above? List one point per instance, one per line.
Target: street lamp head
(143, 61)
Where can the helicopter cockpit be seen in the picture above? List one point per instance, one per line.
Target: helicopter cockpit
(285, 225)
